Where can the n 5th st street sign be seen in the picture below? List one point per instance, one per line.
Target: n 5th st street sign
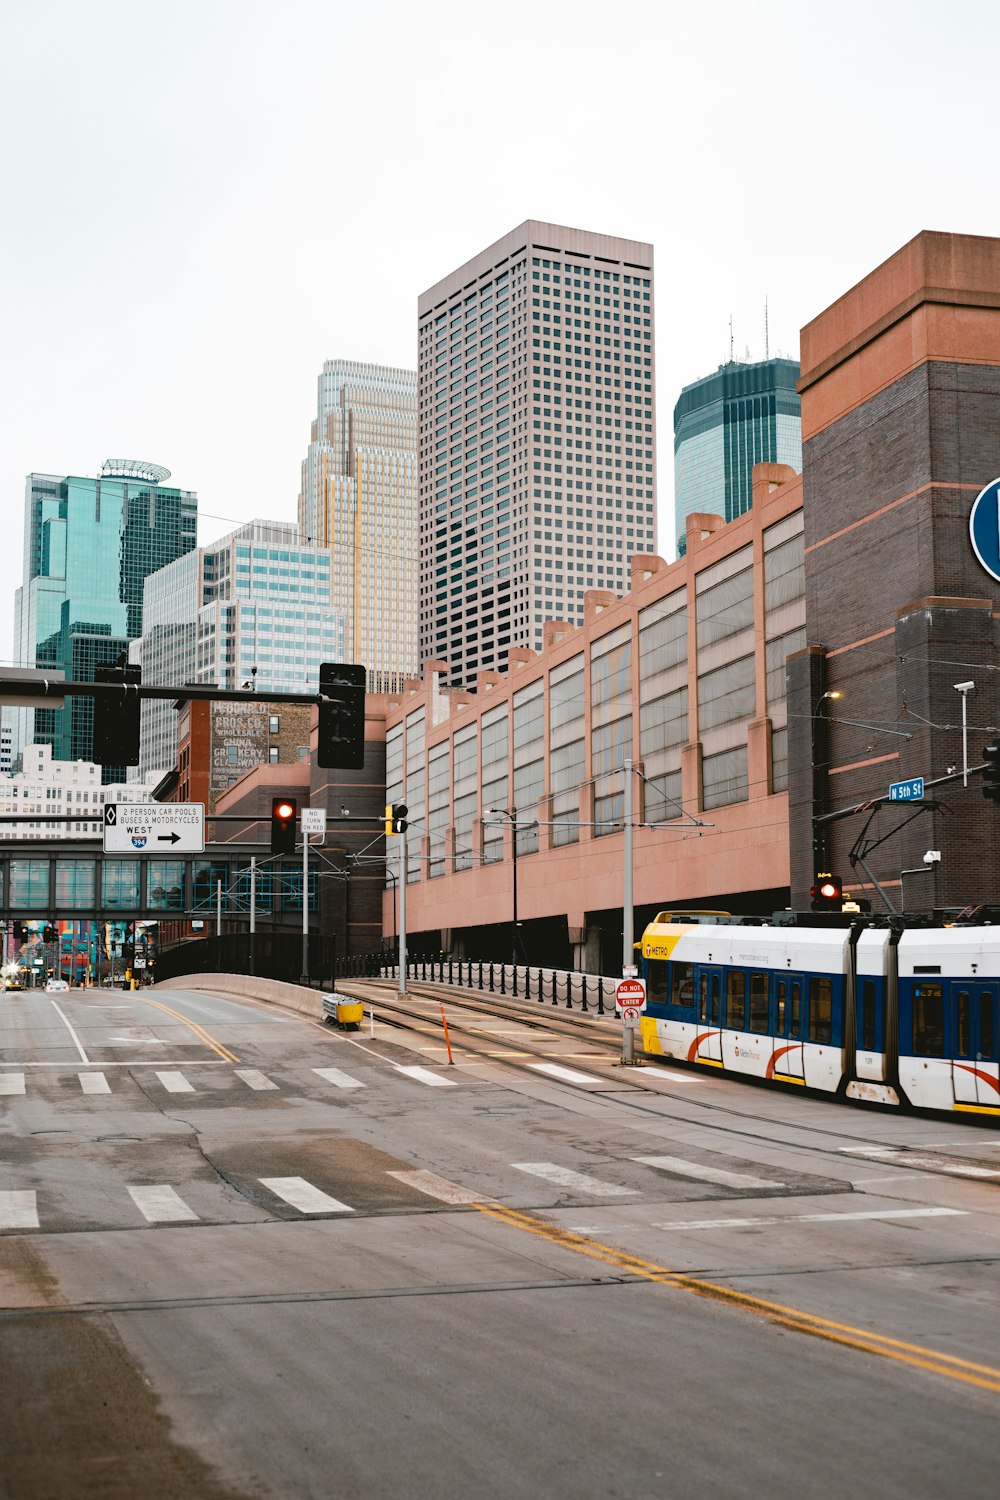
(154, 828)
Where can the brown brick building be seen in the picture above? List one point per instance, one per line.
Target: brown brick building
(901, 430)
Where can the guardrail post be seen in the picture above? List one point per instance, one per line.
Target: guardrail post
(600, 995)
(583, 1002)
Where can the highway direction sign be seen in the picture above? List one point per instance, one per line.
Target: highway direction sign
(907, 791)
(154, 828)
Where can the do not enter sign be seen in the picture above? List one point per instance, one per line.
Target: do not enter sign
(631, 994)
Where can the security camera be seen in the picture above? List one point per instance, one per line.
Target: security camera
(965, 687)
(932, 857)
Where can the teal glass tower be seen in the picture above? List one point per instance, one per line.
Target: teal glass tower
(744, 414)
(89, 545)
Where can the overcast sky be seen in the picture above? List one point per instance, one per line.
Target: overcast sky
(202, 201)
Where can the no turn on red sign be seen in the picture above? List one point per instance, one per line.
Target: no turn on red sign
(630, 994)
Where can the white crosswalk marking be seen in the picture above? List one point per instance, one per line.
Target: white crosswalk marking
(787, 1220)
(338, 1079)
(900, 1158)
(303, 1196)
(161, 1205)
(424, 1075)
(11, 1083)
(705, 1174)
(18, 1209)
(563, 1177)
(437, 1187)
(567, 1075)
(94, 1083)
(175, 1083)
(253, 1079)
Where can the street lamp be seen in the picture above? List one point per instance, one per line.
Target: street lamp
(511, 813)
(821, 759)
(965, 688)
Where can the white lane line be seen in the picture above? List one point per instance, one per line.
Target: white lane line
(303, 1196)
(892, 1155)
(94, 1083)
(66, 1022)
(706, 1174)
(253, 1079)
(437, 1187)
(159, 1204)
(338, 1079)
(424, 1075)
(563, 1177)
(787, 1219)
(567, 1075)
(175, 1083)
(18, 1210)
(11, 1083)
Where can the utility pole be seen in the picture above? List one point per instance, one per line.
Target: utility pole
(304, 979)
(402, 913)
(253, 914)
(628, 933)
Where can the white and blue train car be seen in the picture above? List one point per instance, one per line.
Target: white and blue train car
(880, 1013)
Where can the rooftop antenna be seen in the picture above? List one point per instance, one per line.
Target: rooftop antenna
(730, 338)
(767, 345)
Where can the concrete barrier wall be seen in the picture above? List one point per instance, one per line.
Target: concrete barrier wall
(251, 987)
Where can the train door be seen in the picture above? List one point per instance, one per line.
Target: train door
(708, 1045)
(788, 1018)
(975, 1065)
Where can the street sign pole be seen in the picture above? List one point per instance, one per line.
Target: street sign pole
(402, 913)
(305, 908)
(630, 997)
(253, 914)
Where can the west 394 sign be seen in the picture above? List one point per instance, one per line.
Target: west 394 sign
(154, 828)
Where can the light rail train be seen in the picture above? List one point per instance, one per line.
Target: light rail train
(894, 1014)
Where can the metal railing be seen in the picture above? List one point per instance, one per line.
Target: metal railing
(561, 987)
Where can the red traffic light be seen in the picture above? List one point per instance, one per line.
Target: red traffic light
(828, 889)
(284, 809)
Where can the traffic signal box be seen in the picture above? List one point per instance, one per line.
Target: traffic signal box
(395, 818)
(116, 726)
(991, 773)
(828, 893)
(341, 741)
(283, 811)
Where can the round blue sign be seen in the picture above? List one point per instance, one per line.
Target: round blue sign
(984, 528)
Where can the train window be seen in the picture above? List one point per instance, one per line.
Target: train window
(758, 1003)
(928, 1021)
(736, 999)
(796, 1019)
(820, 1009)
(683, 985)
(714, 1013)
(963, 1024)
(703, 998)
(779, 1006)
(656, 980)
(868, 1015)
(987, 1026)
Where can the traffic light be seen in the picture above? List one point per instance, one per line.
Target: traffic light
(991, 773)
(116, 726)
(395, 817)
(341, 743)
(283, 810)
(828, 893)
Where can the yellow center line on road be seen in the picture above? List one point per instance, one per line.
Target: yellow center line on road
(986, 1377)
(199, 1030)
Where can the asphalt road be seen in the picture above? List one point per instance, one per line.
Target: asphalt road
(243, 1255)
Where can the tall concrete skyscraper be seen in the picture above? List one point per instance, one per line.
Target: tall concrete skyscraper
(537, 438)
(724, 424)
(89, 545)
(359, 498)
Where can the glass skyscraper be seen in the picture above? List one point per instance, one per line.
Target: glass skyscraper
(744, 414)
(89, 545)
(251, 610)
